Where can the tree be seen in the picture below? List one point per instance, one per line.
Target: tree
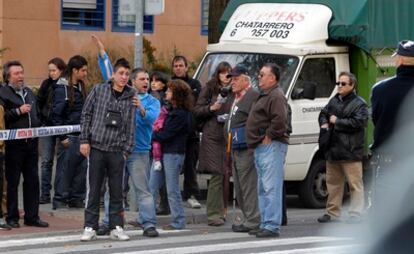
(215, 10)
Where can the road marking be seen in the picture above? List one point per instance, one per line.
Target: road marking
(189, 243)
(337, 249)
(239, 245)
(70, 238)
(75, 245)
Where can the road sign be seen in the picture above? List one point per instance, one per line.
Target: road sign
(154, 7)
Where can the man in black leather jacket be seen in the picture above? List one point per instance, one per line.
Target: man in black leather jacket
(346, 116)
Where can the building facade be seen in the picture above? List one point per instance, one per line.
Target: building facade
(34, 31)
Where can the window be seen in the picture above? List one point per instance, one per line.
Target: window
(321, 73)
(123, 17)
(83, 14)
(204, 17)
(253, 62)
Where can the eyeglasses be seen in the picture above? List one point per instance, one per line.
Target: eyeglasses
(341, 83)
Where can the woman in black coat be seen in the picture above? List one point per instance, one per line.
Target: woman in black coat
(210, 108)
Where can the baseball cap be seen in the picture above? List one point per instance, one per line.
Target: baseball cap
(405, 48)
(237, 71)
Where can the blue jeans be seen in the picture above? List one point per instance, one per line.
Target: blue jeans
(72, 181)
(138, 169)
(269, 160)
(172, 164)
(47, 154)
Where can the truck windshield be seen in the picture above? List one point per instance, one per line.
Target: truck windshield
(253, 62)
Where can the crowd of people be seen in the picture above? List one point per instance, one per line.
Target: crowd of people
(146, 128)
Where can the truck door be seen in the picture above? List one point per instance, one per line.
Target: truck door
(318, 73)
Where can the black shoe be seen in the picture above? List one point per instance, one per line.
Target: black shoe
(4, 226)
(240, 228)
(150, 232)
(325, 218)
(254, 231)
(76, 204)
(44, 200)
(103, 230)
(267, 233)
(37, 223)
(58, 205)
(13, 224)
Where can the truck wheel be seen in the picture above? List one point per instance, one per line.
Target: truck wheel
(312, 190)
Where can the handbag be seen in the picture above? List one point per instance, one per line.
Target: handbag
(324, 139)
(238, 138)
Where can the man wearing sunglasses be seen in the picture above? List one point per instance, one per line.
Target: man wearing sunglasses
(346, 115)
(268, 130)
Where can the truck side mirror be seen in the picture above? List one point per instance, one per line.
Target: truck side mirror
(309, 90)
(297, 93)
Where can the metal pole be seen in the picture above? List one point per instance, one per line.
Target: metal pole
(139, 30)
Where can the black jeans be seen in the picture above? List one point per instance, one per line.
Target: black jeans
(190, 185)
(101, 164)
(22, 158)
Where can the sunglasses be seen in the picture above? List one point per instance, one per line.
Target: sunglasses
(341, 83)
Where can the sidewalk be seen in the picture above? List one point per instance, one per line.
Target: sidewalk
(71, 220)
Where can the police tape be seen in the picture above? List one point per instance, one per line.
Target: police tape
(13, 134)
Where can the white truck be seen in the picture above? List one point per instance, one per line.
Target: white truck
(294, 36)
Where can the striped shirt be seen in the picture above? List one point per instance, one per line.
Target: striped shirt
(95, 132)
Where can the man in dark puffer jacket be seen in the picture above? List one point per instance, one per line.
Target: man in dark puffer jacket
(347, 115)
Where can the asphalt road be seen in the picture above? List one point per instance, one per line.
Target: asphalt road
(302, 235)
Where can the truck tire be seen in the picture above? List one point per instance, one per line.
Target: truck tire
(312, 191)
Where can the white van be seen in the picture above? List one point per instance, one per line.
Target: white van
(294, 37)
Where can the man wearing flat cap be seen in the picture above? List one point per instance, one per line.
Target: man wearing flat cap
(244, 171)
(387, 99)
(388, 95)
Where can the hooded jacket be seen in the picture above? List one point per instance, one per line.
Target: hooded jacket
(64, 112)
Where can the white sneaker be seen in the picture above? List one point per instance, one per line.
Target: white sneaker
(193, 203)
(157, 165)
(118, 234)
(88, 235)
